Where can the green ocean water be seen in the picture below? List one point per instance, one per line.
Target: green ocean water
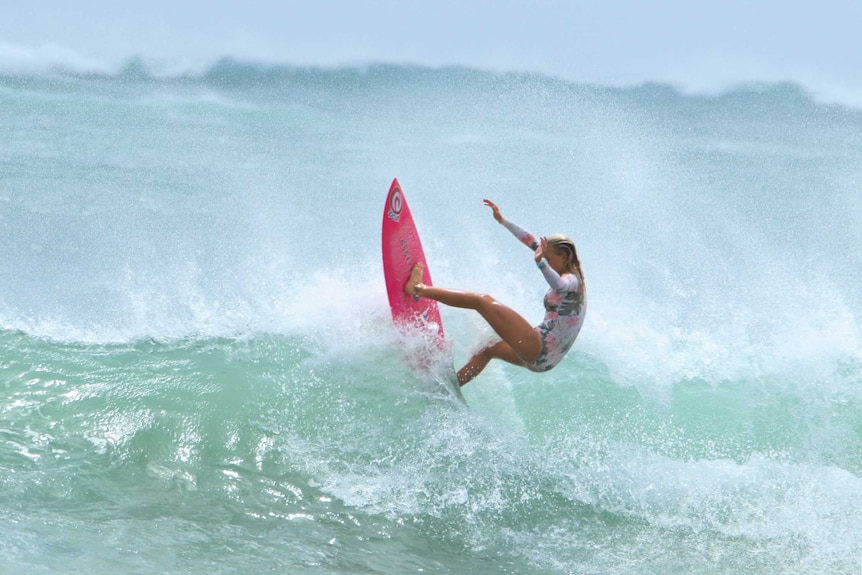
(199, 375)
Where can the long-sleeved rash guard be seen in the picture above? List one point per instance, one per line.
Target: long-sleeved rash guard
(565, 308)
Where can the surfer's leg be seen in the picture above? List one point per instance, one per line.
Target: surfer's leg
(509, 324)
(499, 350)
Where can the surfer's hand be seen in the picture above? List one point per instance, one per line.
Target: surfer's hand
(540, 251)
(497, 215)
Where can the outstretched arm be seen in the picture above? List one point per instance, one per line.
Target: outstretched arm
(523, 235)
(558, 283)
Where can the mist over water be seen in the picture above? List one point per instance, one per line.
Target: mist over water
(199, 374)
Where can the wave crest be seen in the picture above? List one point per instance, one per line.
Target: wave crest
(233, 73)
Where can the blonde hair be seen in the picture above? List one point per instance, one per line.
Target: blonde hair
(563, 244)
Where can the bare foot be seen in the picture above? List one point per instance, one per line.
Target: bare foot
(415, 282)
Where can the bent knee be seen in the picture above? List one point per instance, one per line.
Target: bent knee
(501, 350)
(489, 352)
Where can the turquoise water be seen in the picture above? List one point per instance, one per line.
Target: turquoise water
(199, 374)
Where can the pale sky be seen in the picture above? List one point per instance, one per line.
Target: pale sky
(693, 45)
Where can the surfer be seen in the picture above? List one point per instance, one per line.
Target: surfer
(538, 348)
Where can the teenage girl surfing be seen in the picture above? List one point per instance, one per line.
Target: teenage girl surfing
(538, 348)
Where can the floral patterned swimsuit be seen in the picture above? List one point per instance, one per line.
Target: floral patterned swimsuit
(565, 308)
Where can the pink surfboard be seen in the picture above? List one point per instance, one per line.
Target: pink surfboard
(402, 249)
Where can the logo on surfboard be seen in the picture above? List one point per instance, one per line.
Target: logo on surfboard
(396, 203)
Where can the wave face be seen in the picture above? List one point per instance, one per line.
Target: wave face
(198, 372)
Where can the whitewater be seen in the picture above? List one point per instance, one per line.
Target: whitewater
(198, 371)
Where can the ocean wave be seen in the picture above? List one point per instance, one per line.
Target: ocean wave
(55, 60)
(52, 61)
(235, 431)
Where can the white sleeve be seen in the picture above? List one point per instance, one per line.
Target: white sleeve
(523, 235)
(558, 283)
